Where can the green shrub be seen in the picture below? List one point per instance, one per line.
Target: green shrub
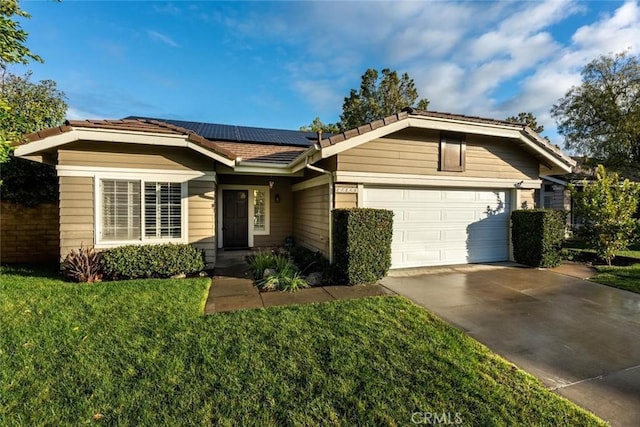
(28, 183)
(607, 206)
(286, 276)
(362, 244)
(142, 261)
(82, 265)
(288, 279)
(259, 262)
(537, 236)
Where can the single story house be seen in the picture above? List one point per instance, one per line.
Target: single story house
(451, 180)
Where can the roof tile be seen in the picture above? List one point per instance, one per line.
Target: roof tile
(376, 124)
(364, 128)
(390, 119)
(337, 138)
(351, 133)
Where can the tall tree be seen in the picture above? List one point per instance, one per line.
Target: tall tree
(380, 95)
(317, 125)
(12, 37)
(601, 117)
(12, 51)
(527, 118)
(30, 107)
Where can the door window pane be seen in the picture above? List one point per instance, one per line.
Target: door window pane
(259, 210)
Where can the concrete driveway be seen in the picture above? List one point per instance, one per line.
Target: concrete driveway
(580, 338)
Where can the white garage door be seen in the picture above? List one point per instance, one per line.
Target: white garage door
(444, 227)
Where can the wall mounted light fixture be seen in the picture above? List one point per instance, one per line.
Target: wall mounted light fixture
(277, 198)
(271, 183)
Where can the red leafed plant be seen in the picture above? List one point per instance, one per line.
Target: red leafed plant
(82, 266)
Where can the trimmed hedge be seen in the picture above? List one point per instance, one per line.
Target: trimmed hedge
(28, 183)
(143, 261)
(537, 236)
(362, 244)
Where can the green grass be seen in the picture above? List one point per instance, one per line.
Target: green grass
(632, 252)
(627, 278)
(141, 353)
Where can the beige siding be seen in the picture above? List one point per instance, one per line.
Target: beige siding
(76, 213)
(415, 151)
(346, 196)
(119, 155)
(281, 215)
(202, 219)
(311, 218)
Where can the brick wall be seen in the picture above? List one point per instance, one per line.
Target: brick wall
(29, 234)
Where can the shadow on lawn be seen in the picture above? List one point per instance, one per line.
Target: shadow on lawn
(45, 270)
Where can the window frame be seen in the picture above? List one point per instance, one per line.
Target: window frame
(452, 138)
(142, 180)
(252, 197)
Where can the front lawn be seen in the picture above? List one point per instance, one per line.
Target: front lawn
(141, 353)
(627, 278)
(633, 251)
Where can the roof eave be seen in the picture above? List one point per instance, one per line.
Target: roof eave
(50, 141)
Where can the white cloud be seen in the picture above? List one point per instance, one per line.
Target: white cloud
(163, 38)
(74, 113)
(491, 59)
(611, 34)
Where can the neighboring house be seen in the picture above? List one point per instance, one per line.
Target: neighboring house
(553, 193)
(451, 181)
(554, 190)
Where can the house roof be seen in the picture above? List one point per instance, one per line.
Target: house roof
(277, 147)
(246, 134)
(585, 169)
(547, 152)
(260, 153)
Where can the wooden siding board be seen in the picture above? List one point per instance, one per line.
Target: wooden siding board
(416, 153)
(311, 218)
(108, 154)
(76, 213)
(201, 218)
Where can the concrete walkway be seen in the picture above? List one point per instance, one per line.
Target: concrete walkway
(581, 339)
(228, 293)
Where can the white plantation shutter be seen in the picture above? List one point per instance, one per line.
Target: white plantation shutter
(120, 209)
(162, 210)
(123, 204)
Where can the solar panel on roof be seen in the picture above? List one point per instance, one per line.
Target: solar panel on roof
(233, 133)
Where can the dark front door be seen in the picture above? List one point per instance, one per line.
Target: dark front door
(235, 223)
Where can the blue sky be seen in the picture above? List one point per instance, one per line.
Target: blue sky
(280, 64)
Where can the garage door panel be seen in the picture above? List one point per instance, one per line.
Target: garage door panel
(444, 226)
(421, 236)
(458, 196)
(462, 216)
(419, 196)
(421, 215)
(457, 236)
(386, 195)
